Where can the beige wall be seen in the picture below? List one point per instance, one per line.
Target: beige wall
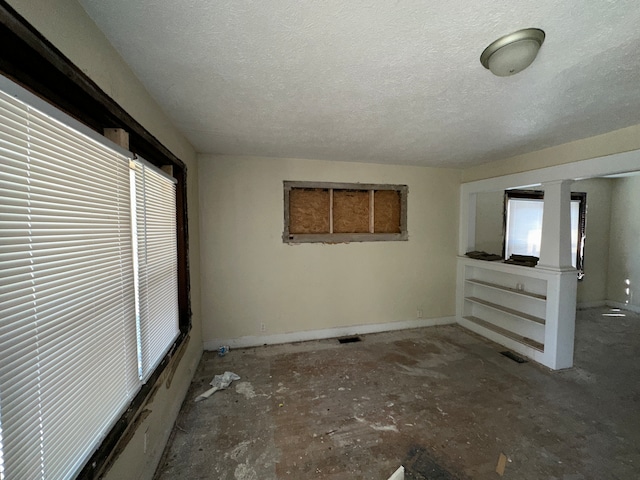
(65, 24)
(624, 263)
(490, 222)
(250, 277)
(593, 287)
(623, 140)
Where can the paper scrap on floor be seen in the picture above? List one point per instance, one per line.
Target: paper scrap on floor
(502, 463)
(219, 382)
(398, 474)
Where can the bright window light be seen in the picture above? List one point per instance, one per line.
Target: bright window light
(524, 227)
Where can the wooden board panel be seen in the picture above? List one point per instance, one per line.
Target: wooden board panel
(386, 211)
(350, 211)
(309, 210)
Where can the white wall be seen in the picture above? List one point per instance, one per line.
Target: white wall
(250, 277)
(66, 25)
(490, 222)
(624, 259)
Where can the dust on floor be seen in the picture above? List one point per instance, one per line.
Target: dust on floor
(441, 401)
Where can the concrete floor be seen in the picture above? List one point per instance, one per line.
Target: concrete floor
(441, 401)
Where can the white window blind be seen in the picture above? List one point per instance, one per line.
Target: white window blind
(67, 296)
(69, 340)
(158, 264)
(524, 227)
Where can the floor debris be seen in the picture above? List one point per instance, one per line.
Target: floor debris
(502, 463)
(398, 474)
(574, 424)
(219, 382)
(514, 357)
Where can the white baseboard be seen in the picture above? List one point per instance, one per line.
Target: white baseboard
(257, 340)
(583, 305)
(623, 306)
(608, 303)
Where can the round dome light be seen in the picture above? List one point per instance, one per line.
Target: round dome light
(512, 53)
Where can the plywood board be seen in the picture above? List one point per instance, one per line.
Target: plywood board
(350, 211)
(387, 211)
(309, 210)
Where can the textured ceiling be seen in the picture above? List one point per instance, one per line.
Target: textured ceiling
(379, 81)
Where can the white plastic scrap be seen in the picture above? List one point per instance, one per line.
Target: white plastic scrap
(398, 474)
(219, 382)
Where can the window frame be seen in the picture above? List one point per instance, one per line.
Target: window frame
(581, 197)
(329, 237)
(33, 62)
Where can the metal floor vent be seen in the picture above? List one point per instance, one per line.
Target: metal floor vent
(353, 339)
(514, 357)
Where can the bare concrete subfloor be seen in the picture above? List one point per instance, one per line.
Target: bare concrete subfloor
(441, 401)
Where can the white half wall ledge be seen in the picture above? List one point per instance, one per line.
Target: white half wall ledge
(305, 336)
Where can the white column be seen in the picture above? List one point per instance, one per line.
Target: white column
(560, 323)
(555, 247)
(555, 255)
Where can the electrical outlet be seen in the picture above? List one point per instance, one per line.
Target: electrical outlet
(263, 327)
(419, 313)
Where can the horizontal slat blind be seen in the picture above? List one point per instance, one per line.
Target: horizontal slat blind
(67, 332)
(158, 264)
(19, 361)
(524, 227)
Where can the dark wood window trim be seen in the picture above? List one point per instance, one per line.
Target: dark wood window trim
(539, 195)
(33, 62)
(330, 237)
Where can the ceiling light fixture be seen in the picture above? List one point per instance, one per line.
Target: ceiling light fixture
(512, 53)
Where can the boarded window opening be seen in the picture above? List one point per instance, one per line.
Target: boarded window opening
(309, 210)
(339, 212)
(350, 211)
(387, 208)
